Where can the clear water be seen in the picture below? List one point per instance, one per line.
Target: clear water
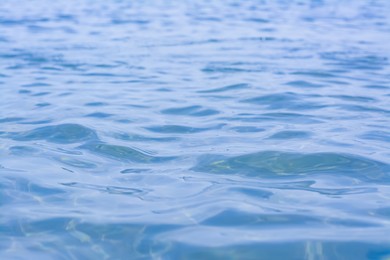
(194, 129)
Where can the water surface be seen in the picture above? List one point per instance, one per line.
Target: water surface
(194, 129)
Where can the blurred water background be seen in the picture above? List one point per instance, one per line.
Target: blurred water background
(194, 129)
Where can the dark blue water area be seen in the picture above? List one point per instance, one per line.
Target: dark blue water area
(195, 129)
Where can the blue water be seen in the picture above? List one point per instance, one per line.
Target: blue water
(195, 129)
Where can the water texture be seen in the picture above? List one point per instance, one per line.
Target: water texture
(195, 129)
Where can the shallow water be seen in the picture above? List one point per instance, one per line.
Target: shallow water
(194, 130)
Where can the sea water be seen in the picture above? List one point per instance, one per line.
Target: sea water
(194, 129)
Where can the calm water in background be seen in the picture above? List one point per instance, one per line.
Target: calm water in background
(194, 130)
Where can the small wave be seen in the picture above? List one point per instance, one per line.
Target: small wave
(63, 134)
(190, 111)
(286, 100)
(271, 164)
(107, 189)
(304, 84)
(176, 129)
(290, 135)
(123, 153)
(226, 88)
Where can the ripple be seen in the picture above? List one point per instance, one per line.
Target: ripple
(377, 135)
(40, 94)
(377, 86)
(107, 189)
(176, 129)
(132, 170)
(235, 218)
(247, 129)
(62, 134)
(190, 111)
(75, 162)
(277, 116)
(36, 85)
(220, 68)
(355, 61)
(304, 84)
(290, 135)
(360, 108)
(252, 192)
(283, 101)
(23, 150)
(11, 119)
(310, 186)
(99, 115)
(316, 74)
(39, 122)
(141, 138)
(354, 98)
(226, 88)
(272, 164)
(96, 104)
(123, 153)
